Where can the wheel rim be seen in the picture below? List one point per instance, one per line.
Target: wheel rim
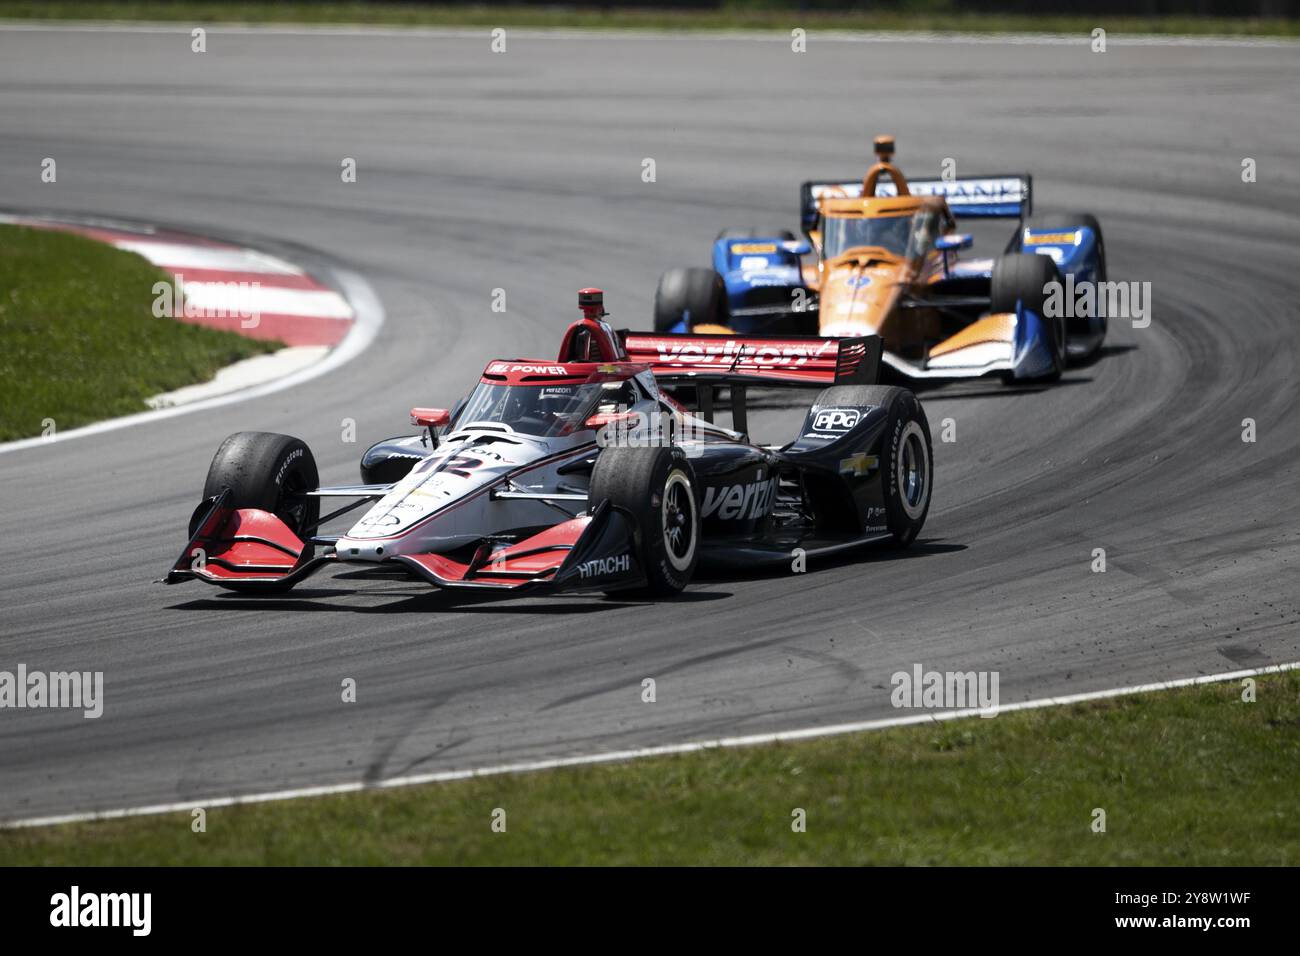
(678, 520)
(294, 506)
(913, 471)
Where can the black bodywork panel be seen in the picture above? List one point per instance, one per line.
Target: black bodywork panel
(392, 459)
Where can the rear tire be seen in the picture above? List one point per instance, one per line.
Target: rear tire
(697, 295)
(268, 472)
(906, 470)
(657, 487)
(1073, 220)
(1021, 276)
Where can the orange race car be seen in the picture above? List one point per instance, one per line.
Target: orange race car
(882, 257)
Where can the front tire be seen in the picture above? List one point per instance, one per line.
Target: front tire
(657, 487)
(906, 470)
(268, 472)
(694, 295)
(1022, 277)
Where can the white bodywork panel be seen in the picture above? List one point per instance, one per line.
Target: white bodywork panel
(445, 501)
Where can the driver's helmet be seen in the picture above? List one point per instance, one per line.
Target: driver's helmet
(617, 395)
(927, 227)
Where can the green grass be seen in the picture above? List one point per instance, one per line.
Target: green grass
(78, 338)
(1188, 777)
(913, 15)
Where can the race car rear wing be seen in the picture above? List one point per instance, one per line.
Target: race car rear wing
(997, 196)
(756, 360)
(738, 361)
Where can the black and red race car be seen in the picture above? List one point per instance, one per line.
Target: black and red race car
(588, 472)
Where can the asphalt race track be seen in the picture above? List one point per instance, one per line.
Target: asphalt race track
(522, 171)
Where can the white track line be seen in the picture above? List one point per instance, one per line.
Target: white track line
(619, 756)
(776, 34)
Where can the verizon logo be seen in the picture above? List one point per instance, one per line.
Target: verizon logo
(740, 502)
(772, 354)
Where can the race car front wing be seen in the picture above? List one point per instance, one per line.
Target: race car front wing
(249, 549)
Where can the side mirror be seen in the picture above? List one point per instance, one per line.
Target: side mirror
(430, 417)
(953, 240)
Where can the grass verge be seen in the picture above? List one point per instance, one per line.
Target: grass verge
(928, 16)
(1188, 777)
(78, 338)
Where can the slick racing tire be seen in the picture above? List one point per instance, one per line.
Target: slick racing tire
(696, 294)
(271, 473)
(1021, 276)
(656, 486)
(1073, 220)
(783, 234)
(906, 470)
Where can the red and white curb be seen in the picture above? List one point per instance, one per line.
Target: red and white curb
(638, 753)
(223, 283)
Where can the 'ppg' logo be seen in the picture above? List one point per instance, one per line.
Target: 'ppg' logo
(836, 419)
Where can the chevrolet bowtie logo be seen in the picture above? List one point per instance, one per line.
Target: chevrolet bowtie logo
(858, 464)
